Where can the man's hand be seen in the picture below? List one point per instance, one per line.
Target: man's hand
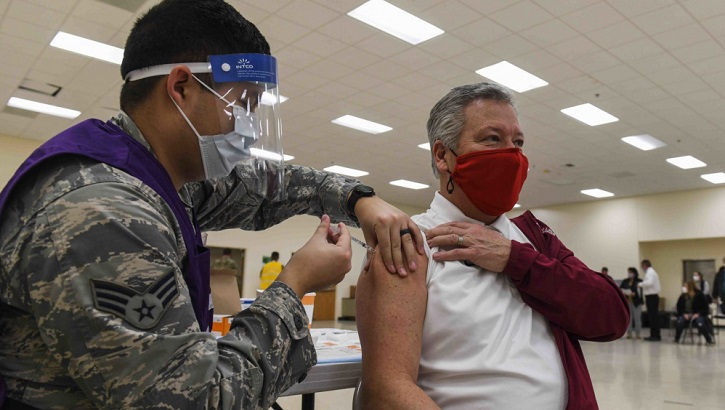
(322, 262)
(381, 224)
(474, 243)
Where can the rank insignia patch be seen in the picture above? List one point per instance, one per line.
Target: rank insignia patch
(142, 310)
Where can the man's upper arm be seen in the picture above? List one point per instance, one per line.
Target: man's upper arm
(390, 315)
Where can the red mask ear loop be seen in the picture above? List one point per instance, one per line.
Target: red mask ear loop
(449, 185)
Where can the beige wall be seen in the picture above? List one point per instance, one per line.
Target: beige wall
(12, 154)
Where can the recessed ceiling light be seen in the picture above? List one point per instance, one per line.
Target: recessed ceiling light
(29, 105)
(644, 142)
(511, 76)
(686, 162)
(408, 184)
(597, 193)
(86, 47)
(589, 114)
(346, 171)
(716, 178)
(395, 21)
(260, 153)
(425, 146)
(269, 98)
(360, 124)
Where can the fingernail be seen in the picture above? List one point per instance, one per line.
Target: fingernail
(391, 268)
(402, 271)
(412, 266)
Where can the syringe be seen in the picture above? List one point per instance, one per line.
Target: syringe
(336, 230)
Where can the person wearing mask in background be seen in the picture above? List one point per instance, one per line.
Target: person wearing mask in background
(270, 271)
(703, 285)
(630, 288)
(104, 276)
(692, 308)
(718, 289)
(605, 271)
(651, 289)
(496, 321)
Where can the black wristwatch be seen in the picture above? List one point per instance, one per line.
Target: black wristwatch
(360, 191)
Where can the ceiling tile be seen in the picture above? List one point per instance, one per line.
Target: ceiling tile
(346, 29)
(320, 44)
(102, 14)
(593, 17)
(330, 70)
(35, 14)
(354, 57)
(697, 52)
(449, 14)
(615, 35)
(280, 30)
(682, 36)
(489, 6)
(522, 15)
(383, 45)
(664, 19)
(445, 46)
(27, 31)
(637, 49)
(703, 9)
(560, 8)
(482, 31)
(296, 57)
(595, 62)
(307, 13)
(90, 30)
(631, 8)
(550, 32)
(576, 47)
(510, 47)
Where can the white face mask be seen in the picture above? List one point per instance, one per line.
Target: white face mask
(222, 152)
(684, 289)
(696, 278)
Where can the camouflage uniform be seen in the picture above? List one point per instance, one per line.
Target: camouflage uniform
(77, 234)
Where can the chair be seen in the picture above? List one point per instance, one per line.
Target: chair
(356, 399)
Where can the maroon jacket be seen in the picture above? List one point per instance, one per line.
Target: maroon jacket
(578, 302)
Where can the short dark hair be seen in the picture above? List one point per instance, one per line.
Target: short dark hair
(634, 271)
(184, 31)
(275, 255)
(605, 269)
(646, 263)
(227, 251)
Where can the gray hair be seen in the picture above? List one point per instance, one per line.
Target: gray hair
(446, 117)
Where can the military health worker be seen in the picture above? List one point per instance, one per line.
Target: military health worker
(104, 279)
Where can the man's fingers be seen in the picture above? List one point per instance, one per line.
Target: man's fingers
(409, 250)
(384, 242)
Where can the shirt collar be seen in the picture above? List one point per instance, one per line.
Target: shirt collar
(450, 212)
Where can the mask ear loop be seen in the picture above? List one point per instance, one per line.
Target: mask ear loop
(450, 186)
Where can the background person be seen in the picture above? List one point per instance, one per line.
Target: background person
(496, 321)
(718, 289)
(630, 288)
(692, 308)
(651, 289)
(703, 285)
(226, 261)
(270, 271)
(105, 278)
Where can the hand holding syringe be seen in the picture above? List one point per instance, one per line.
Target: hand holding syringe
(336, 230)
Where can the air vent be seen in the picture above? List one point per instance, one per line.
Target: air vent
(50, 90)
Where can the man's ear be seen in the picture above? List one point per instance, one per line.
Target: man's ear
(179, 84)
(439, 156)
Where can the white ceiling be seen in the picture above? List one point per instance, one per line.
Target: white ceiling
(657, 65)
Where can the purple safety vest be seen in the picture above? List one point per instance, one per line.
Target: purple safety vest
(107, 143)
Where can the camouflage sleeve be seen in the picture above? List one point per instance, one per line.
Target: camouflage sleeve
(108, 298)
(229, 202)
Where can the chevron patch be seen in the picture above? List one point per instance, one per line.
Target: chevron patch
(141, 310)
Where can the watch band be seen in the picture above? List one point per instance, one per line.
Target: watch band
(359, 191)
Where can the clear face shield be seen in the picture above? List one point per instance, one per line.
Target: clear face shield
(246, 126)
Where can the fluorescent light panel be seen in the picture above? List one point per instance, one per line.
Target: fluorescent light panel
(425, 146)
(346, 171)
(260, 153)
(86, 47)
(517, 206)
(395, 21)
(511, 76)
(644, 142)
(360, 124)
(408, 184)
(686, 162)
(597, 193)
(29, 105)
(590, 115)
(716, 178)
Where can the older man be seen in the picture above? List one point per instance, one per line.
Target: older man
(496, 321)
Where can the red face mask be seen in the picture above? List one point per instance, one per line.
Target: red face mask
(492, 179)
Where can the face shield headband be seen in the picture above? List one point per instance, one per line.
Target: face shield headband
(250, 142)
